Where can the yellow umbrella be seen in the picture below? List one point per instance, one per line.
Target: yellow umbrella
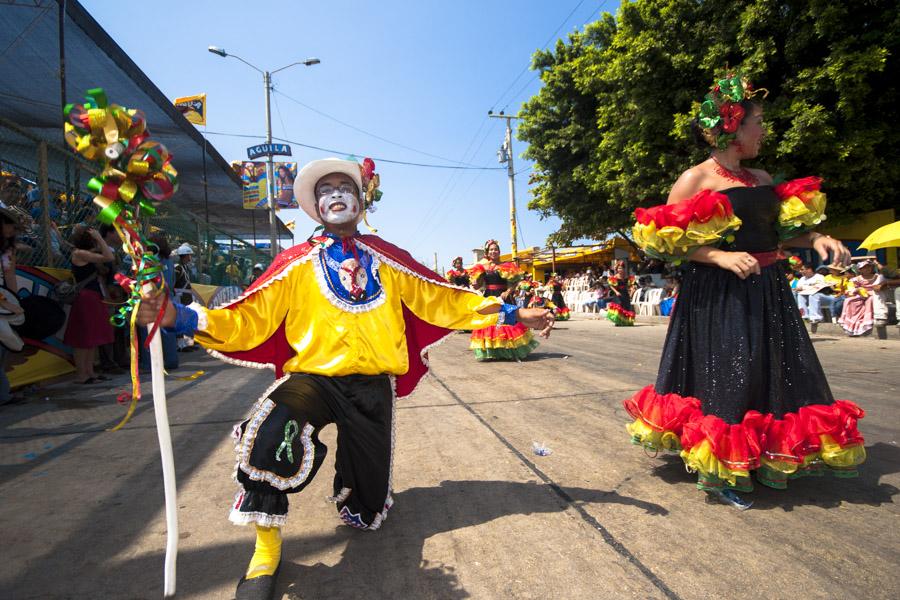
(883, 237)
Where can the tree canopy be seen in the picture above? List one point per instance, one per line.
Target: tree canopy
(610, 128)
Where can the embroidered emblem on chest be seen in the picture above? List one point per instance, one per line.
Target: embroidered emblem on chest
(354, 279)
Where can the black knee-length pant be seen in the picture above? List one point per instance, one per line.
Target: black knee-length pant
(279, 452)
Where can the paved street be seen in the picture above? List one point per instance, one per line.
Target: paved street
(478, 514)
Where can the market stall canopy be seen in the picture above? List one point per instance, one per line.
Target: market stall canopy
(30, 97)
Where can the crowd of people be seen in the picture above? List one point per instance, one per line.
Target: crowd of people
(94, 256)
(859, 297)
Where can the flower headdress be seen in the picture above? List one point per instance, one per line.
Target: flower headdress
(488, 243)
(370, 194)
(721, 112)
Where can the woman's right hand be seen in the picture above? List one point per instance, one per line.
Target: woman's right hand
(149, 308)
(741, 264)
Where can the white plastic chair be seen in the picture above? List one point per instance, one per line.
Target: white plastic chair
(650, 305)
(636, 300)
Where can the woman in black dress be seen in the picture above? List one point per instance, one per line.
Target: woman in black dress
(619, 310)
(458, 275)
(740, 388)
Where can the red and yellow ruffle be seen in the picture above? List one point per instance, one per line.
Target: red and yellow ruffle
(671, 231)
(508, 270)
(816, 437)
(562, 314)
(802, 206)
(502, 342)
(618, 315)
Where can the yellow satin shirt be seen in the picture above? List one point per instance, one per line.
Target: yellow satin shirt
(334, 338)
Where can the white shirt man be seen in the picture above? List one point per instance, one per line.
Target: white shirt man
(809, 293)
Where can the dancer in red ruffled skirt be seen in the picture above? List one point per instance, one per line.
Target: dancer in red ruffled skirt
(740, 388)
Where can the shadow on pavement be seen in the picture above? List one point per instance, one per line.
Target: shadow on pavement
(387, 563)
(826, 491)
(544, 356)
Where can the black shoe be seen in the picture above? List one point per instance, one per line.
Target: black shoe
(258, 588)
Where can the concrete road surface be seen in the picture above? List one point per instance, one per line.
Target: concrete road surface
(478, 514)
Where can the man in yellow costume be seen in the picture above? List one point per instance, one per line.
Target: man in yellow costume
(345, 321)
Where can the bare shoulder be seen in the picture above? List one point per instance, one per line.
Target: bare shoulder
(762, 176)
(689, 183)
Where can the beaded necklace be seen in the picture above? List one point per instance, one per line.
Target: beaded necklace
(743, 176)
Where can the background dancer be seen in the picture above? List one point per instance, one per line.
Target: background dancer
(498, 280)
(619, 310)
(345, 320)
(559, 304)
(458, 275)
(740, 387)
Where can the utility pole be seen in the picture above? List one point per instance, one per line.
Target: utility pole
(435, 262)
(270, 175)
(505, 155)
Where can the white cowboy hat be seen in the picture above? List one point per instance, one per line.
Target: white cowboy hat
(311, 173)
(183, 249)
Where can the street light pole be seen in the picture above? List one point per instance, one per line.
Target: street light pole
(506, 155)
(270, 175)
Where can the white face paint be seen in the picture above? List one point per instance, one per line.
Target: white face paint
(338, 205)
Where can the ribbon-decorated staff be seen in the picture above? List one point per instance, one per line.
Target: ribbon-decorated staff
(136, 173)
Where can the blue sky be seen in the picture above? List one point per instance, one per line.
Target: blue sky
(419, 75)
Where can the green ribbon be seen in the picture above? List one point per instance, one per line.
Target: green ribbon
(709, 114)
(291, 429)
(732, 88)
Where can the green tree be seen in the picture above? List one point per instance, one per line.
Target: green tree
(610, 128)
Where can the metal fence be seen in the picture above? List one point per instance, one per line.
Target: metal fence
(44, 183)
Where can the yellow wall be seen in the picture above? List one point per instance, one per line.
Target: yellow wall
(862, 226)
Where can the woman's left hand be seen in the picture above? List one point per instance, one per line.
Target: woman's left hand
(826, 245)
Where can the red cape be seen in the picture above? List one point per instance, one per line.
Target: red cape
(275, 351)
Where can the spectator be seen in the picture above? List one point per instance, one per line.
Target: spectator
(169, 339)
(810, 292)
(113, 357)
(257, 271)
(183, 273)
(88, 325)
(866, 304)
(9, 221)
(837, 280)
(217, 272)
(233, 272)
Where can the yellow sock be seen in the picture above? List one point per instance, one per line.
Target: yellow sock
(267, 554)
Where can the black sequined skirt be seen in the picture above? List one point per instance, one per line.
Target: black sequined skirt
(740, 345)
(740, 387)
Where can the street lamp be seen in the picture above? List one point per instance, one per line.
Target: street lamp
(270, 176)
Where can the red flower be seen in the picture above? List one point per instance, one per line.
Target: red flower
(368, 168)
(796, 187)
(731, 114)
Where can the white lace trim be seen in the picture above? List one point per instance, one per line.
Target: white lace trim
(249, 438)
(239, 363)
(394, 264)
(341, 496)
(262, 519)
(340, 303)
(236, 430)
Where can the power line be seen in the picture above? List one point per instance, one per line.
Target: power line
(538, 74)
(369, 133)
(527, 67)
(345, 153)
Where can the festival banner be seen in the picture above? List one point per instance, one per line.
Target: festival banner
(193, 108)
(285, 173)
(255, 184)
